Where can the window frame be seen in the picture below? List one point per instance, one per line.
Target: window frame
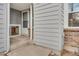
(70, 10)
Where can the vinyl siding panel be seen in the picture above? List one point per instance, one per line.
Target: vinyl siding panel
(48, 25)
(3, 33)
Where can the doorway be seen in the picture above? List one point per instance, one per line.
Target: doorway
(19, 24)
(25, 22)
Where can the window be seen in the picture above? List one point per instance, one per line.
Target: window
(24, 24)
(25, 20)
(75, 6)
(73, 15)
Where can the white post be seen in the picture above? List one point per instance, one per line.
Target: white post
(31, 22)
(65, 15)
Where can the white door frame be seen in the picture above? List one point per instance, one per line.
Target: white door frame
(22, 20)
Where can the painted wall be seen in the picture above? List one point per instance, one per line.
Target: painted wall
(15, 16)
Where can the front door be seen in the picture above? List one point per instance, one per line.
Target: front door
(25, 23)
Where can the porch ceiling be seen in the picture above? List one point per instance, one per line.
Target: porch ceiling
(20, 6)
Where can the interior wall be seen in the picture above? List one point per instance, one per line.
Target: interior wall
(15, 16)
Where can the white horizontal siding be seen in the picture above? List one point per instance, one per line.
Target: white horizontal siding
(3, 32)
(48, 25)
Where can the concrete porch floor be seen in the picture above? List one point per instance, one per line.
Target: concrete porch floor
(29, 50)
(22, 46)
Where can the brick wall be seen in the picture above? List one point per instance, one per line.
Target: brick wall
(71, 42)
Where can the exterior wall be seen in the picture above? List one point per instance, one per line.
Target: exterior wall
(71, 41)
(49, 25)
(15, 16)
(4, 27)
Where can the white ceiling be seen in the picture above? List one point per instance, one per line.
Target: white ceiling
(20, 6)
